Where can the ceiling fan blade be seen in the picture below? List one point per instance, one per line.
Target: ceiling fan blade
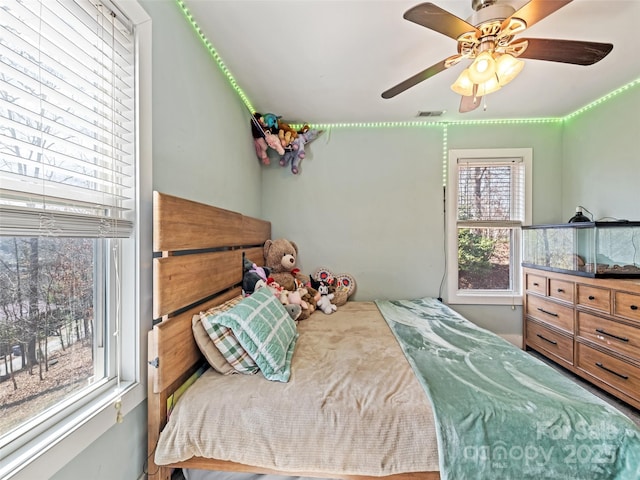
(435, 18)
(575, 52)
(469, 103)
(536, 10)
(417, 78)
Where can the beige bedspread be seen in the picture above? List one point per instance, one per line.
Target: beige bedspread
(352, 406)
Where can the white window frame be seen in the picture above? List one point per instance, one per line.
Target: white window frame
(484, 297)
(65, 438)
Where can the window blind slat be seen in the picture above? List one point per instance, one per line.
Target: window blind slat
(50, 188)
(488, 224)
(17, 222)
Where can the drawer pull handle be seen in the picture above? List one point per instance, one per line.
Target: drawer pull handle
(599, 365)
(622, 339)
(536, 284)
(561, 290)
(633, 307)
(591, 297)
(548, 313)
(553, 342)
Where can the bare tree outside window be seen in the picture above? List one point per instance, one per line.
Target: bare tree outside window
(46, 323)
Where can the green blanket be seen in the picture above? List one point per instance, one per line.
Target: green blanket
(503, 414)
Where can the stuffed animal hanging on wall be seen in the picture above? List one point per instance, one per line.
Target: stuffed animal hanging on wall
(297, 152)
(264, 130)
(259, 142)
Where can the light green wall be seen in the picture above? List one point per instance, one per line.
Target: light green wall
(118, 454)
(601, 159)
(202, 147)
(367, 202)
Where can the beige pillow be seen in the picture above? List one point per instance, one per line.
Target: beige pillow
(206, 345)
(208, 349)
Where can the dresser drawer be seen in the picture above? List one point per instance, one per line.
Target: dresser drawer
(551, 342)
(536, 283)
(627, 305)
(612, 371)
(616, 336)
(550, 312)
(594, 297)
(561, 289)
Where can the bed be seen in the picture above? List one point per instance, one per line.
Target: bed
(382, 389)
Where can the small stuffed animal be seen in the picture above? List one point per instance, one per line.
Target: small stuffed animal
(310, 298)
(286, 133)
(324, 303)
(275, 288)
(261, 150)
(294, 311)
(260, 144)
(341, 285)
(288, 157)
(280, 257)
(270, 120)
(254, 278)
(295, 297)
(298, 153)
(274, 142)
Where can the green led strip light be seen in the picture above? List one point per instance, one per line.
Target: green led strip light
(215, 56)
(603, 99)
(325, 126)
(445, 153)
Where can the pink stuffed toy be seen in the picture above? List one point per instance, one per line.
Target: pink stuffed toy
(261, 150)
(274, 142)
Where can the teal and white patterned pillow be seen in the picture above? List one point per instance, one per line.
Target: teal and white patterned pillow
(265, 330)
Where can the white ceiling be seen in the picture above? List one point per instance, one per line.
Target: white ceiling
(328, 61)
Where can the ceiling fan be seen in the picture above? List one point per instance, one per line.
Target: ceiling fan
(488, 38)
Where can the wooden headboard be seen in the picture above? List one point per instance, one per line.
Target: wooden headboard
(198, 256)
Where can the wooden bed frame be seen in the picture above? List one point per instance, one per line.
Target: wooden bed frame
(197, 264)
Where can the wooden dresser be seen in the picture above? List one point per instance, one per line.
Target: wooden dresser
(591, 326)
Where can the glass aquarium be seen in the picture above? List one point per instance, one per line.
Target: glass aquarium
(591, 249)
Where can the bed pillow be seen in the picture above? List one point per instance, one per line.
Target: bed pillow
(208, 349)
(265, 330)
(223, 346)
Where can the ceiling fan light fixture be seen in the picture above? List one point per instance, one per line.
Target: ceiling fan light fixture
(463, 85)
(482, 68)
(489, 86)
(507, 68)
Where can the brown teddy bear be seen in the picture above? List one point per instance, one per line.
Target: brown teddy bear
(280, 256)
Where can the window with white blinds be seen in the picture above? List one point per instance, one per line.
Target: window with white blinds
(66, 119)
(489, 198)
(70, 150)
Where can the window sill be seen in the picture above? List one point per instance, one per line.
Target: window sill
(484, 299)
(57, 446)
